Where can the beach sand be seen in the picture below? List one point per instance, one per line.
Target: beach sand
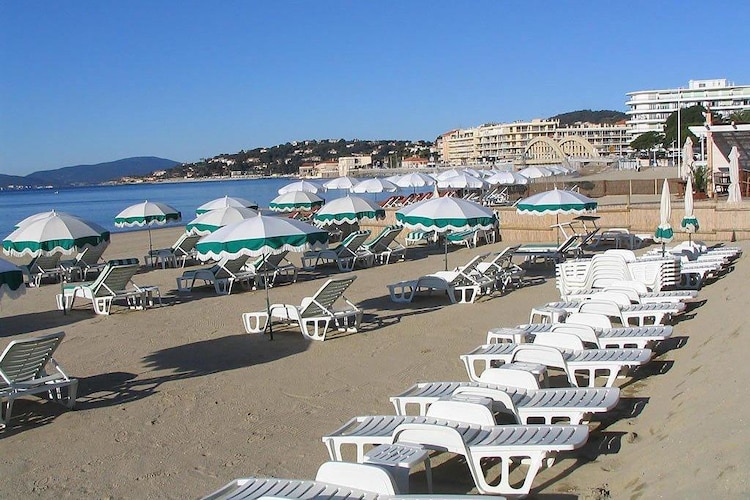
(178, 400)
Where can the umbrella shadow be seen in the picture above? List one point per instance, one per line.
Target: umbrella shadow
(32, 322)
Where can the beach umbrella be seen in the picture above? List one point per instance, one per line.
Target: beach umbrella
(535, 172)
(261, 236)
(448, 173)
(375, 185)
(11, 280)
(296, 200)
(348, 210)
(305, 186)
(414, 180)
(57, 233)
(557, 202)
(735, 195)
(462, 180)
(446, 214)
(507, 179)
(208, 222)
(147, 213)
(226, 201)
(344, 182)
(689, 222)
(686, 167)
(664, 233)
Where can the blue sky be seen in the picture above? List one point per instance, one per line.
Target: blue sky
(91, 81)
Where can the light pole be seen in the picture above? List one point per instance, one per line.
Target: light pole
(679, 129)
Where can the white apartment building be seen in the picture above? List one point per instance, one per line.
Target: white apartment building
(348, 163)
(649, 109)
(535, 141)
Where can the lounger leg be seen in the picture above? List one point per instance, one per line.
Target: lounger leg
(318, 332)
(102, 305)
(534, 461)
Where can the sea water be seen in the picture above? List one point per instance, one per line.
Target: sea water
(100, 204)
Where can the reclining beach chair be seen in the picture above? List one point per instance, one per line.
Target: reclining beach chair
(180, 251)
(515, 392)
(655, 313)
(334, 480)
(222, 276)
(592, 328)
(505, 273)
(87, 261)
(274, 266)
(469, 430)
(417, 237)
(463, 281)
(113, 283)
(314, 315)
(345, 255)
(23, 372)
(549, 253)
(384, 246)
(468, 238)
(591, 362)
(43, 266)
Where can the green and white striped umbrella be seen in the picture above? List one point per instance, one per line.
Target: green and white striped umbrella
(147, 213)
(556, 202)
(35, 217)
(208, 222)
(375, 185)
(226, 201)
(664, 232)
(348, 210)
(11, 280)
(295, 200)
(57, 233)
(304, 186)
(689, 221)
(344, 182)
(446, 214)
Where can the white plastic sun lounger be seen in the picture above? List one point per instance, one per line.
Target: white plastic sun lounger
(587, 361)
(657, 313)
(474, 441)
(334, 481)
(584, 325)
(525, 403)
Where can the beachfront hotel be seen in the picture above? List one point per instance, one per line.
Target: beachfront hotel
(534, 142)
(649, 109)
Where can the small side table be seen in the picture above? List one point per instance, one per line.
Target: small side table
(398, 459)
(547, 314)
(502, 335)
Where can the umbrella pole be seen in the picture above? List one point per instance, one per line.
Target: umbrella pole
(150, 246)
(445, 240)
(268, 301)
(663, 252)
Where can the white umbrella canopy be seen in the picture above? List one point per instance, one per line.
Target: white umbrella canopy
(348, 210)
(535, 172)
(307, 186)
(686, 167)
(689, 221)
(735, 194)
(147, 213)
(57, 233)
(37, 216)
(376, 185)
(448, 173)
(507, 179)
(664, 232)
(344, 182)
(414, 180)
(462, 180)
(11, 280)
(226, 201)
(446, 214)
(296, 200)
(556, 201)
(208, 222)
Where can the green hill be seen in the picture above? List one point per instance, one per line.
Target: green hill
(589, 116)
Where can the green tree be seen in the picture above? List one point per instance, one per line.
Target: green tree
(694, 115)
(647, 141)
(740, 116)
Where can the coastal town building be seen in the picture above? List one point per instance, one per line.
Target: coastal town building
(649, 109)
(348, 163)
(415, 162)
(320, 170)
(531, 142)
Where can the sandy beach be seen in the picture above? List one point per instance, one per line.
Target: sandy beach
(178, 400)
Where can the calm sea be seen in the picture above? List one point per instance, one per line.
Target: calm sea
(101, 204)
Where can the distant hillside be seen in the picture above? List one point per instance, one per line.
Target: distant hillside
(587, 115)
(90, 174)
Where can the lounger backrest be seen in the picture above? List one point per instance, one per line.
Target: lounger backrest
(323, 300)
(351, 243)
(607, 308)
(230, 268)
(269, 262)
(24, 359)
(501, 400)
(618, 297)
(509, 377)
(186, 243)
(560, 340)
(115, 277)
(543, 355)
(588, 319)
(357, 476)
(568, 244)
(437, 437)
(384, 239)
(91, 255)
(45, 262)
(461, 411)
(584, 332)
(628, 255)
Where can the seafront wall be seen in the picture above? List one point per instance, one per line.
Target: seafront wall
(718, 221)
